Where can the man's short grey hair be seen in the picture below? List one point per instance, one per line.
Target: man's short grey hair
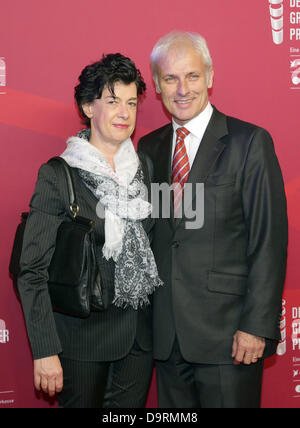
(164, 44)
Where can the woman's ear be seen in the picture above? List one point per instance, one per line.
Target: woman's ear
(88, 110)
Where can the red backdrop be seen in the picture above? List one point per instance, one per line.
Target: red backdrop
(44, 46)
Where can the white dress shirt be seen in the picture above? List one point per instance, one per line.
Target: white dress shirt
(197, 128)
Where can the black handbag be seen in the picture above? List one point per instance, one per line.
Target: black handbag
(74, 279)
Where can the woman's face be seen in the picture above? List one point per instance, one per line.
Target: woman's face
(113, 117)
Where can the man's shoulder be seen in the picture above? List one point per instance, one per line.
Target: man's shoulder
(237, 126)
(243, 135)
(157, 134)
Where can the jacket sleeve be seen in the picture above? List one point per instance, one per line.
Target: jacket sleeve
(265, 214)
(46, 214)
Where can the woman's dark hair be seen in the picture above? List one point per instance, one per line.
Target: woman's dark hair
(95, 77)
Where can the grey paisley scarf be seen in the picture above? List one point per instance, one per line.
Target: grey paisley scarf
(123, 196)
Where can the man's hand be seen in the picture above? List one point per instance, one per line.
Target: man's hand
(48, 375)
(247, 349)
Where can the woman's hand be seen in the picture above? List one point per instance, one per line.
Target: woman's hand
(48, 375)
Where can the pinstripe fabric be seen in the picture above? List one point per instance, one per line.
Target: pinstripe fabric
(84, 384)
(104, 336)
(120, 384)
(134, 373)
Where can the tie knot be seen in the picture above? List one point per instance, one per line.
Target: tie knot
(182, 133)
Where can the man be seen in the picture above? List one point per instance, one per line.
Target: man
(217, 317)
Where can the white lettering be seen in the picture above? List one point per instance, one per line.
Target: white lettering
(296, 328)
(166, 417)
(296, 344)
(295, 33)
(124, 419)
(150, 417)
(295, 312)
(295, 3)
(4, 336)
(295, 17)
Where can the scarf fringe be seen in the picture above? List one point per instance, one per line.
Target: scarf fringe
(109, 253)
(136, 304)
(141, 301)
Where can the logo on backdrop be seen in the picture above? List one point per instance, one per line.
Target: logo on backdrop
(296, 328)
(295, 70)
(281, 349)
(279, 9)
(2, 75)
(277, 23)
(4, 333)
(295, 49)
(296, 348)
(7, 399)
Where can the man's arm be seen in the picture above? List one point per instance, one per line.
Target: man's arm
(265, 214)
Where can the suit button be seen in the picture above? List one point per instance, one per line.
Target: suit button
(175, 244)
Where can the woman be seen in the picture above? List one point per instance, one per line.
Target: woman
(104, 360)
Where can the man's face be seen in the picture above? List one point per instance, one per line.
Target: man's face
(183, 81)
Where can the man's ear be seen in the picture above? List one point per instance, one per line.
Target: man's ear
(157, 87)
(156, 82)
(210, 78)
(88, 110)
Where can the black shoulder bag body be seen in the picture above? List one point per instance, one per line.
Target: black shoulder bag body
(74, 280)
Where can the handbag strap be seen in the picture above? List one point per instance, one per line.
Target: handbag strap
(73, 204)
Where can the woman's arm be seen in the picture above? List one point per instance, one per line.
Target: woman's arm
(46, 214)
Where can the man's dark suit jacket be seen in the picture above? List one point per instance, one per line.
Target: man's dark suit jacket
(228, 275)
(104, 336)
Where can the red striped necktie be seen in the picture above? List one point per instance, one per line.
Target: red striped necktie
(180, 169)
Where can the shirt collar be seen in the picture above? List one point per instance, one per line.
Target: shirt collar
(198, 124)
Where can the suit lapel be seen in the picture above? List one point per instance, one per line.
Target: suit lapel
(209, 151)
(210, 148)
(163, 172)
